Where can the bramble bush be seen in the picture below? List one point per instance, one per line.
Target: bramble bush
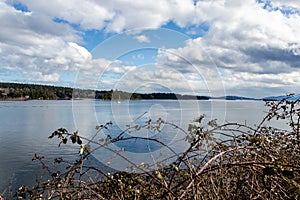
(228, 161)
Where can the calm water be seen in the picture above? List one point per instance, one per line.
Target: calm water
(26, 125)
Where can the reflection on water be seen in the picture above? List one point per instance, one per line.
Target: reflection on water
(26, 125)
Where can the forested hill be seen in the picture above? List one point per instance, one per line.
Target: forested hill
(20, 91)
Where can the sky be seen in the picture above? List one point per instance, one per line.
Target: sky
(206, 47)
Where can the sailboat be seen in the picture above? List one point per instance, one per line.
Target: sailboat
(119, 100)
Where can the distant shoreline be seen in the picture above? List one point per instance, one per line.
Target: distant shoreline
(210, 99)
(26, 92)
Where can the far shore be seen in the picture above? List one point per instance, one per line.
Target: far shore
(67, 99)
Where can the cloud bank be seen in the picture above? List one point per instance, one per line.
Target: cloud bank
(246, 45)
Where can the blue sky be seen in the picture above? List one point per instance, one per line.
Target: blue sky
(221, 47)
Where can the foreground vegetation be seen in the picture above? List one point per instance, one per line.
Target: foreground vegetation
(228, 161)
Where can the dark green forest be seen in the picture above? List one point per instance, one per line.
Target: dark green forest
(20, 91)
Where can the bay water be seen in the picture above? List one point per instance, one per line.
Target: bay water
(26, 125)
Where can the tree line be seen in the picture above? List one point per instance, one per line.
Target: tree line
(11, 91)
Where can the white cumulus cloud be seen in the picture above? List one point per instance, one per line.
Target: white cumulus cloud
(248, 43)
(142, 38)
